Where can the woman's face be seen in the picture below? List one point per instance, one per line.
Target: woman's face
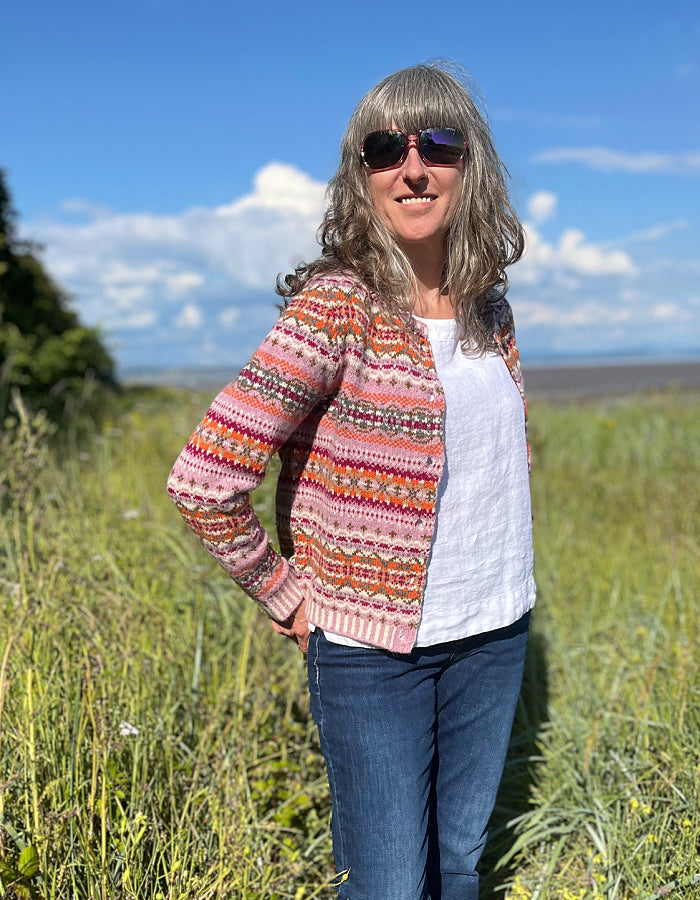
(417, 201)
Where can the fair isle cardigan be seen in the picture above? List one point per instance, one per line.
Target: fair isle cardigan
(348, 395)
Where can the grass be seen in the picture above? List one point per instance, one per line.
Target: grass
(155, 739)
(613, 810)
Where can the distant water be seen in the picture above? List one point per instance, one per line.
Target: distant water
(546, 376)
(200, 379)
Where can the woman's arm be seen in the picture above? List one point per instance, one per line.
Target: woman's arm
(298, 364)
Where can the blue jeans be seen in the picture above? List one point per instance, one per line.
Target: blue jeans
(414, 747)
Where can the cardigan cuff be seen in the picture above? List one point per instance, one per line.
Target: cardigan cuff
(286, 599)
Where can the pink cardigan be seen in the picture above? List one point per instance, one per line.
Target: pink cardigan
(349, 397)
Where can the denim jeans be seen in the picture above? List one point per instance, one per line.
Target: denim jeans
(414, 747)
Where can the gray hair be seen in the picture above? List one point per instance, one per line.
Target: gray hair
(485, 235)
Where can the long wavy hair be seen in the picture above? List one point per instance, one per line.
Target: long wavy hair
(484, 237)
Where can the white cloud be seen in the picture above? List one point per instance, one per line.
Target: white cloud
(183, 282)
(541, 206)
(118, 265)
(228, 317)
(656, 232)
(137, 320)
(126, 296)
(82, 207)
(198, 287)
(278, 187)
(573, 252)
(190, 317)
(571, 255)
(157, 272)
(666, 311)
(604, 159)
(534, 313)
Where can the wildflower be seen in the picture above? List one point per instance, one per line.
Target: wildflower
(687, 825)
(635, 804)
(126, 729)
(646, 809)
(518, 891)
(652, 839)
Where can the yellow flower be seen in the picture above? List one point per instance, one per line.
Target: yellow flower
(652, 839)
(635, 803)
(646, 809)
(518, 891)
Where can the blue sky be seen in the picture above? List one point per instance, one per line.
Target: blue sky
(171, 157)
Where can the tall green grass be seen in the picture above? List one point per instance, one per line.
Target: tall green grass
(613, 810)
(155, 739)
(154, 731)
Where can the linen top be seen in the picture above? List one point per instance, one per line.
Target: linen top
(349, 396)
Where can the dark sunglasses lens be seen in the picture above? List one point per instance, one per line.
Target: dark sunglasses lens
(442, 146)
(382, 149)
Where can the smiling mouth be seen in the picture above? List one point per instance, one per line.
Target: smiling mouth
(415, 200)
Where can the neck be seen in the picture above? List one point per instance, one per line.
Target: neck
(427, 264)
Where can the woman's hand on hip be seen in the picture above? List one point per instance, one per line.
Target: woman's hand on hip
(295, 627)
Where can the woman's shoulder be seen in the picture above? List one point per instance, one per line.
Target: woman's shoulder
(338, 294)
(339, 281)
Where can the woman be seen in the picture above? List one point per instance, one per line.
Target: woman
(403, 505)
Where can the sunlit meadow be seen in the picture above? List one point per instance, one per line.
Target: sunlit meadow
(155, 739)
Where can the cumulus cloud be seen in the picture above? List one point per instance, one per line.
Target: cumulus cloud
(592, 312)
(541, 206)
(656, 232)
(573, 295)
(604, 159)
(197, 288)
(280, 187)
(571, 255)
(127, 268)
(190, 316)
(228, 317)
(667, 311)
(575, 253)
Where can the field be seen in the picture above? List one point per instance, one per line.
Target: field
(155, 740)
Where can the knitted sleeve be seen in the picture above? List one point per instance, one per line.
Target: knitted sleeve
(298, 364)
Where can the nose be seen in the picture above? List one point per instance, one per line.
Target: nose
(413, 166)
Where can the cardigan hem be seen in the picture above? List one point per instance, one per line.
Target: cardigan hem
(381, 631)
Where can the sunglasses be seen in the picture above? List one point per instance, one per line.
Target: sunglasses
(437, 147)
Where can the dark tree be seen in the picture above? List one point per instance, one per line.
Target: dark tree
(45, 353)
